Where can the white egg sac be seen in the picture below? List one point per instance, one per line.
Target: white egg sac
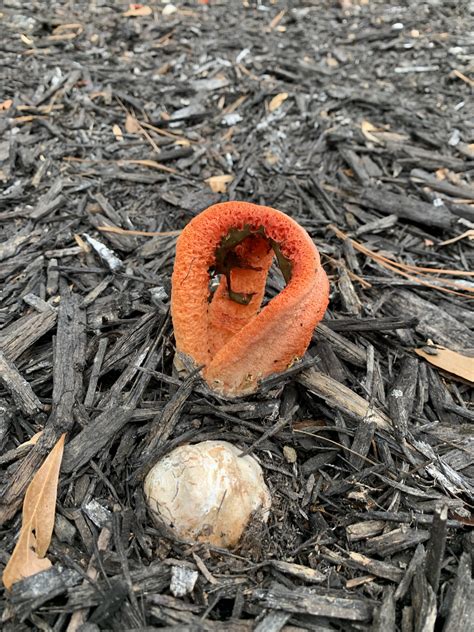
(207, 493)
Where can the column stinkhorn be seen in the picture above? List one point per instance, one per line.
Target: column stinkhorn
(227, 332)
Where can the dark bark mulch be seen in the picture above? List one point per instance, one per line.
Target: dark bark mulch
(113, 124)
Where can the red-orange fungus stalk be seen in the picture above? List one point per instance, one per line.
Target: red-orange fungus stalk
(228, 333)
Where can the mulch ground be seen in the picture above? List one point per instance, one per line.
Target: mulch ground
(355, 118)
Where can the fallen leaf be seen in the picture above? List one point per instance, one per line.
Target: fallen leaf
(24, 561)
(447, 174)
(6, 105)
(117, 132)
(366, 129)
(451, 361)
(381, 135)
(183, 142)
(82, 244)
(73, 26)
(137, 11)
(277, 101)
(26, 40)
(236, 104)
(39, 510)
(391, 137)
(33, 440)
(132, 125)
(276, 20)
(62, 37)
(219, 184)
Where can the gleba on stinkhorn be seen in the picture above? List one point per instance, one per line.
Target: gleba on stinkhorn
(227, 332)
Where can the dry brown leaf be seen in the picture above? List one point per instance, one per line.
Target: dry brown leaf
(73, 26)
(366, 129)
(236, 104)
(65, 32)
(137, 11)
(455, 363)
(446, 174)
(6, 105)
(26, 119)
(33, 440)
(24, 561)
(26, 40)
(63, 37)
(183, 142)
(82, 244)
(391, 137)
(132, 125)
(39, 509)
(219, 184)
(276, 20)
(117, 132)
(380, 135)
(277, 101)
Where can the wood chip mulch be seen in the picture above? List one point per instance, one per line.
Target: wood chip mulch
(356, 118)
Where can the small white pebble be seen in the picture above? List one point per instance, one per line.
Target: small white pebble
(397, 393)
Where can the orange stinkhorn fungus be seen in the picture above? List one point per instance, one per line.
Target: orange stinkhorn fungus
(227, 333)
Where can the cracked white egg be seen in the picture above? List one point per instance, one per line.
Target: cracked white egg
(206, 492)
